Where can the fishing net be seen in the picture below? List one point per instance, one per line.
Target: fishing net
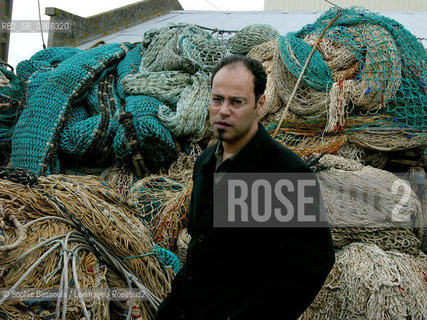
(369, 205)
(130, 64)
(264, 51)
(163, 51)
(250, 36)
(167, 225)
(120, 179)
(181, 170)
(308, 143)
(150, 194)
(351, 152)
(138, 125)
(49, 57)
(163, 205)
(181, 47)
(142, 141)
(11, 88)
(36, 135)
(369, 283)
(273, 103)
(164, 85)
(203, 50)
(376, 85)
(363, 63)
(306, 137)
(84, 134)
(191, 109)
(67, 218)
(385, 140)
(294, 52)
(309, 102)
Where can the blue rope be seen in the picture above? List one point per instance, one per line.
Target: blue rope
(165, 256)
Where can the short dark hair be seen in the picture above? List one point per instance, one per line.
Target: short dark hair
(254, 66)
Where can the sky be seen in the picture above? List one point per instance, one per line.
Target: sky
(23, 45)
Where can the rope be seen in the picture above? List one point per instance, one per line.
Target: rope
(285, 111)
(72, 195)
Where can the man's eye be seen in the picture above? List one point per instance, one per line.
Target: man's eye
(237, 102)
(216, 100)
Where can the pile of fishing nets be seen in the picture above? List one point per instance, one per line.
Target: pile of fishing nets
(126, 104)
(351, 92)
(73, 232)
(376, 224)
(370, 205)
(75, 109)
(367, 282)
(363, 61)
(138, 101)
(140, 111)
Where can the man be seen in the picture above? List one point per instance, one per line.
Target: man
(244, 273)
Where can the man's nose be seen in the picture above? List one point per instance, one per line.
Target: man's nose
(225, 110)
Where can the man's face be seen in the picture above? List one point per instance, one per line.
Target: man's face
(233, 111)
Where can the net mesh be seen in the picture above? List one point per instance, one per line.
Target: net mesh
(362, 205)
(250, 36)
(35, 138)
(367, 282)
(49, 57)
(141, 140)
(363, 62)
(183, 47)
(191, 110)
(164, 85)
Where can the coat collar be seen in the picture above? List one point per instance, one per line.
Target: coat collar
(248, 157)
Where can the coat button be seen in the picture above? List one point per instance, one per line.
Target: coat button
(182, 314)
(190, 276)
(201, 237)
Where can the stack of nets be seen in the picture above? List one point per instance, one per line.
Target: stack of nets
(364, 64)
(376, 223)
(367, 282)
(141, 141)
(369, 205)
(36, 135)
(89, 116)
(174, 69)
(69, 232)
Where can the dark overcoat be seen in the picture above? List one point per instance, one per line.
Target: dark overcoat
(247, 273)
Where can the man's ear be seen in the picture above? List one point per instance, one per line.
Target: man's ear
(260, 104)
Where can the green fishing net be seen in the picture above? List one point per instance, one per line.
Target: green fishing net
(364, 62)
